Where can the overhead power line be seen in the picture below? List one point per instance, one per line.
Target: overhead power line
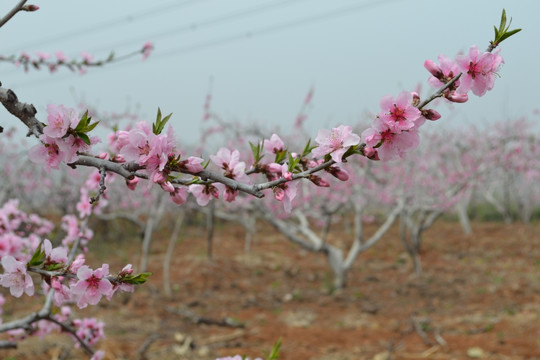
(202, 24)
(94, 28)
(342, 11)
(274, 28)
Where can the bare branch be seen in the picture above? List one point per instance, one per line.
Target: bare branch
(12, 12)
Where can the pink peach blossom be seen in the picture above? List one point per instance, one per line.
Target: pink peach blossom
(335, 142)
(15, 277)
(92, 285)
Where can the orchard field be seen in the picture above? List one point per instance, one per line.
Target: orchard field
(478, 297)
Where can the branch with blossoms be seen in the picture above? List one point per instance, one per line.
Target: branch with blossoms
(45, 60)
(146, 152)
(65, 277)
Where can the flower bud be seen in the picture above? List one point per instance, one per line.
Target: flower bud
(179, 195)
(132, 183)
(338, 172)
(119, 158)
(415, 98)
(167, 186)
(431, 114)
(317, 180)
(30, 7)
(457, 98)
(370, 153)
(434, 69)
(274, 168)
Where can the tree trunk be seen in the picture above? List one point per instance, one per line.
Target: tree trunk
(168, 255)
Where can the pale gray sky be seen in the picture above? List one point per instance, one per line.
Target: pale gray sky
(352, 51)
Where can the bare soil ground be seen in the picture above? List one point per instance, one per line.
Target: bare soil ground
(479, 297)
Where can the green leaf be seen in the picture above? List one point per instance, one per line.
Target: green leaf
(137, 279)
(82, 123)
(308, 148)
(274, 353)
(508, 34)
(37, 258)
(91, 126)
(111, 57)
(84, 137)
(160, 123)
(280, 156)
(503, 20)
(54, 267)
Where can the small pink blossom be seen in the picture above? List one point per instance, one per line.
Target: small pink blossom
(398, 113)
(335, 142)
(89, 329)
(442, 73)
(192, 164)
(59, 119)
(230, 162)
(203, 193)
(92, 285)
(480, 70)
(15, 277)
(61, 57)
(286, 192)
(84, 207)
(62, 293)
(147, 49)
(274, 145)
(43, 56)
(87, 58)
(57, 255)
(47, 153)
(389, 145)
(179, 196)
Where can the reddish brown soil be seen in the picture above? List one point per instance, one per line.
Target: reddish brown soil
(479, 297)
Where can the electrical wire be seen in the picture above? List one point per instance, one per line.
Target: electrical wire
(94, 28)
(202, 24)
(342, 11)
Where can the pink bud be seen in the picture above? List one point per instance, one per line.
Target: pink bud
(274, 168)
(158, 177)
(167, 186)
(287, 175)
(317, 180)
(30, 8)
(431, 114)
(103, 156)
(338, 173)
(415, 98)
(179, 195)
(457, 98)
(279, 194)
(433, 68)
(370, 152)
(119, 158)
(132, 183)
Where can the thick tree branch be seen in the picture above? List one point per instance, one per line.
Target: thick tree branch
(25, 112)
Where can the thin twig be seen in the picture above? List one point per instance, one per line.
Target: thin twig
(439, 92)
(102, 187)
(12, 12)
(144, 347)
